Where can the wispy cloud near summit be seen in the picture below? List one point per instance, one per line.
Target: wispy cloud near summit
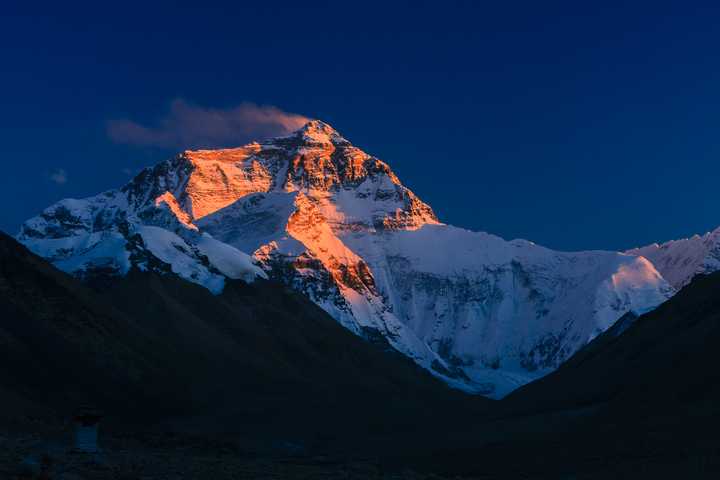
(192, 126)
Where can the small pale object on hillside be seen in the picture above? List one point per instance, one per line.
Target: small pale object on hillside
(86, 422)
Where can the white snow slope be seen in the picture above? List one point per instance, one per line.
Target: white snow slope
(312, 211)
(680, 260)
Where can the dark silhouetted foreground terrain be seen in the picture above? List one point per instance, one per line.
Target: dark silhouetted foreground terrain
(260, 383)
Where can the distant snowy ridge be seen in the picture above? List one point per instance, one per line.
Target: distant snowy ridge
(680, 260)
(314, 212)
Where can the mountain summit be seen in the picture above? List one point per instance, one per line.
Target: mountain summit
(316, 131)
(316, 213)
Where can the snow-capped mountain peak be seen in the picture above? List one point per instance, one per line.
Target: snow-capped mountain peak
(315, 212)
(318, 132)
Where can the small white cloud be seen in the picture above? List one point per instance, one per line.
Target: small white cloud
(58, 176)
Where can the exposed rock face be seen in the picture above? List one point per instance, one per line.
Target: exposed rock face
(322, 216)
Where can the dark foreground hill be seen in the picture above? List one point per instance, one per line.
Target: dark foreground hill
(666, 359)
(260, 369)
(158, 352)
(640, 401)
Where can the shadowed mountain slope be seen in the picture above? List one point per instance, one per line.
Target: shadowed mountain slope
(666, 358)
(258, 359)
(261, 364)
(642, 400)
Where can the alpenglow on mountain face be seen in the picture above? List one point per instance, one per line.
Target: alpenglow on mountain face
(322, 216)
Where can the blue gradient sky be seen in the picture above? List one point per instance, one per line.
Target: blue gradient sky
(574, 126)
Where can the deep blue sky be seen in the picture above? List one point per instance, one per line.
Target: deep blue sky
(572, 125)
